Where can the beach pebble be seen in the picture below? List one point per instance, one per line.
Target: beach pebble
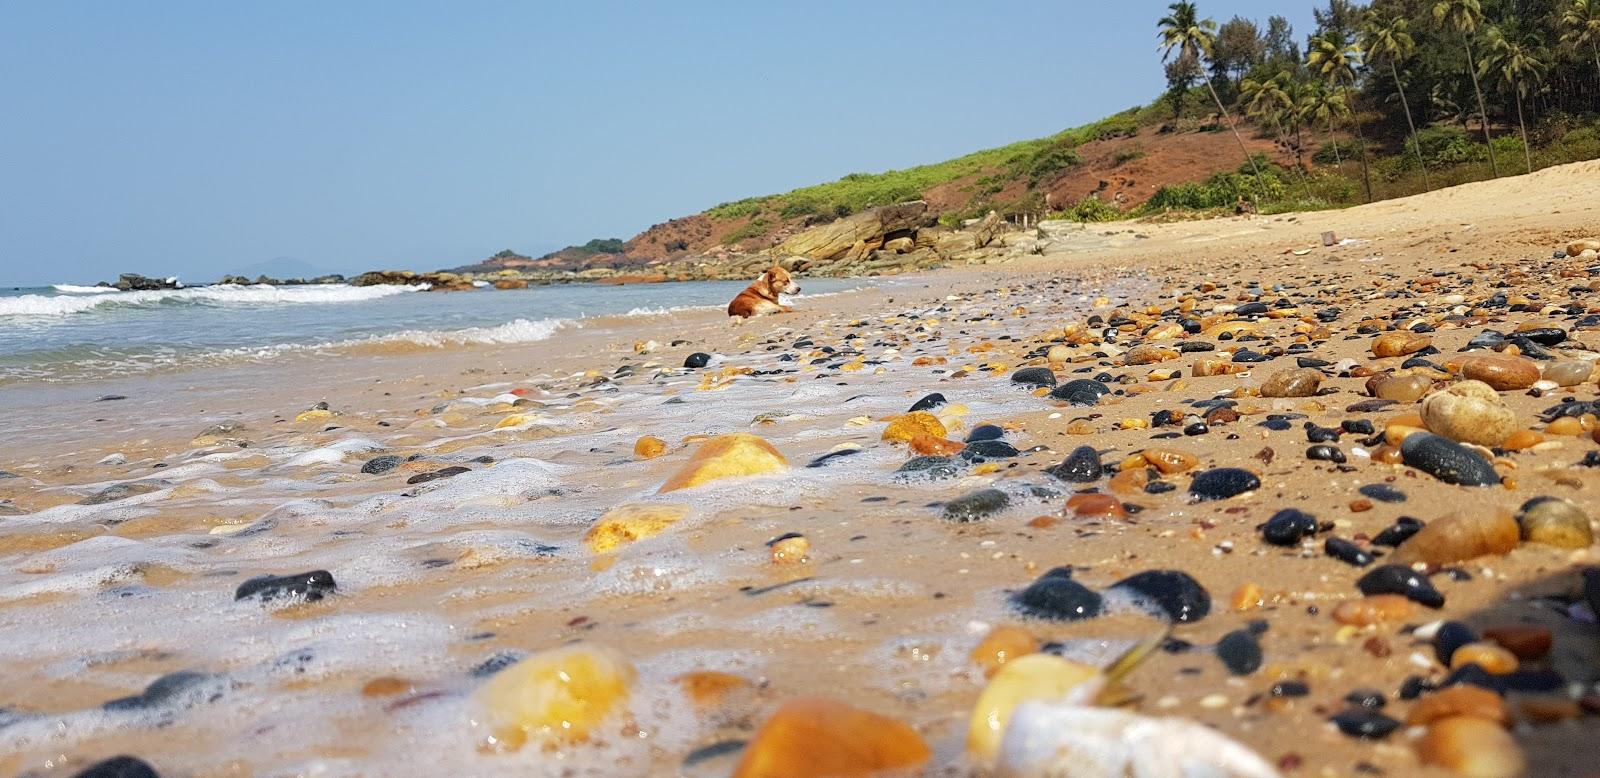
(311, 586)
(1033, 677)
(117, 492)
(1001, 645)
(1374, 609)
(1240, 652)
(1168, 594)
(1148, 354)
(1459, 538)
(1448, 637)
(1288, 526)
(649, 447)
(1446, 460)
(936, 467)
(816, 736)
(1399, 532)
(1463, 700)
(1169, 461)
(1493, 658)
(907, 426)
(976, 506)
(1081, 466)
(1081, 392)
(1470, 412)
(1365, 723)
(557, 696)
(1034, 376)
(119, 767)
(980, 450)
(1525, 641)
(1502, 371)
(1400, 388)
(1222, 482)
(1396, 344)
(1471, 746)
(727, 456)
(789, 549)
(184, 689)
(625, 524)
(927, 403)
(1568, 373)
(1298, 382)
(1401, 580)
(1055, 596)
(697, 360)
(1555, 522)
(381, 464)
(1347, 552)
(1093, 505)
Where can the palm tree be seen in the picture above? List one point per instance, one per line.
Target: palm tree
(1386, 40)
(1268, 100)
(1321, 105)
(1335, 58)
(1580, 21)
(1520, 64)
(1183, 33)
(1465, 16)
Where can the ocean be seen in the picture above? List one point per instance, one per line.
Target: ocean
(67, 333)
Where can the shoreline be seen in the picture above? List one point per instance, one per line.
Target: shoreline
(440, 576)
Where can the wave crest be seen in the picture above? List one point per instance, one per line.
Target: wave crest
(79, 299)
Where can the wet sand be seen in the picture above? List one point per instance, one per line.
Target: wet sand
(436, 578)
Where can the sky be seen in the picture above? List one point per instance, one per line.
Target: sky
(201, 138)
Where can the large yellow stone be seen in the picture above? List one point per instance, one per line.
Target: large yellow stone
(727, 456)
(821, 737)
(626, 523)
(1044, 677)
(649, 447)
(905, 427)
(553, 697)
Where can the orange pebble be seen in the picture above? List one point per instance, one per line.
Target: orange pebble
(1001, 645)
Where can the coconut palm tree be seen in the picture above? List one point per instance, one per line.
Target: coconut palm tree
(1521, 65)
(1321, 104)
(1464, 16)
(1387, 40)
(1580, 23)
(1268, 100)
(1183, 33)
(1333, 57)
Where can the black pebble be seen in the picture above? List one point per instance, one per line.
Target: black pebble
(1447, 460)
(1082, 391)
(985, 432)
(312, 586)
(1399, 532)
(119, 767)
(1348, 552)
(1382, 493)
(1451, 636)
(181, 689)
(1170, 594)
(1240, 652)
(980, 450)
(697, 360)
(1222, 482)
(1288, 526)
(1290, 689)
(496, 663)
(381, 465)
(1325, 453)
(930, 466)
(1034, 376)
(832, 455)
(1080, 467)
(1371, 699)
(1399, 579)
(1364, 723)
(928, 403)
(976, 506)
(1057, 597)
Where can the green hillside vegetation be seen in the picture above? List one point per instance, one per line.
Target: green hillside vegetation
(1377, 101)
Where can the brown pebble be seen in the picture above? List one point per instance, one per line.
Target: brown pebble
(1503, 372)
(1169, 461)
(1360, 505)
(1494, 659)
(1396, 344)
(1460, 700)
(1374, 609)
(1472, 746)
(386, 686)
(1547, 710)
(1526, 641)
(1460, 538)
(1003, 644)
(1086, 505)
(1246, 597)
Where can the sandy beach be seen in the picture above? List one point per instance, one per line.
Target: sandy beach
(454, 496)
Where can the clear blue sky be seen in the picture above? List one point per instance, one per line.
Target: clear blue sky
(197, 138)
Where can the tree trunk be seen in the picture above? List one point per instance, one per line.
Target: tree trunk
(1483, 113)
(1261, 185)
(1527, 153)
(1361, 145)
(1337, 162)
(1416, 143)
(1283, 137)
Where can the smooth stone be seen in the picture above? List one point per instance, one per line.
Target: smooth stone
(1469, 412)
(980, 450)
(1472, 746)
(557, 696)
(1555, 522)
(626, 524)
(932, 467)
(1459, 538)
(697, 360)
(927, 403)
(1240, 652)
(1170, 594)
(817, 736)
(907, 426)
(1066, 739)
(825, 459)
(1299, 382)
(1325, 453)
(1382, 493)
(382, 464)
(184, 689)
(119, 767)
(1451, 636)
(1398, 344)
(1081, 392)
(119, 492)
(985, 432)
(1569, 373)
(736, 455)
(448, 472)
(1446, 460)
(311, 586)
(1222, 482)
(1401, 388)
(1055, 596)
(1401, 580)
(1288, 526)
(1034, 677)
(1034, 376)
(1148, 354)
(1365, 723)
(1081, 466)
(976, 506)
(1502, 371)
(1348, 552)
(1399, 532)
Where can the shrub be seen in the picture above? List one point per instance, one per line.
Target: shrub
(1125, 156)
(755, 228)
(1093, 209)
(1335, 151)
(1448, 146)
(1049, 162)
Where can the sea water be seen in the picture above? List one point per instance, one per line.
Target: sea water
(69, 333)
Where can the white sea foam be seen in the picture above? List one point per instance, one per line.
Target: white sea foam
(74, 289)
(79, 299)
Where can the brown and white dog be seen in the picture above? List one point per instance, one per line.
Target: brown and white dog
(761, 297)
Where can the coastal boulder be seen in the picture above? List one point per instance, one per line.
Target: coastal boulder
(858, 232)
